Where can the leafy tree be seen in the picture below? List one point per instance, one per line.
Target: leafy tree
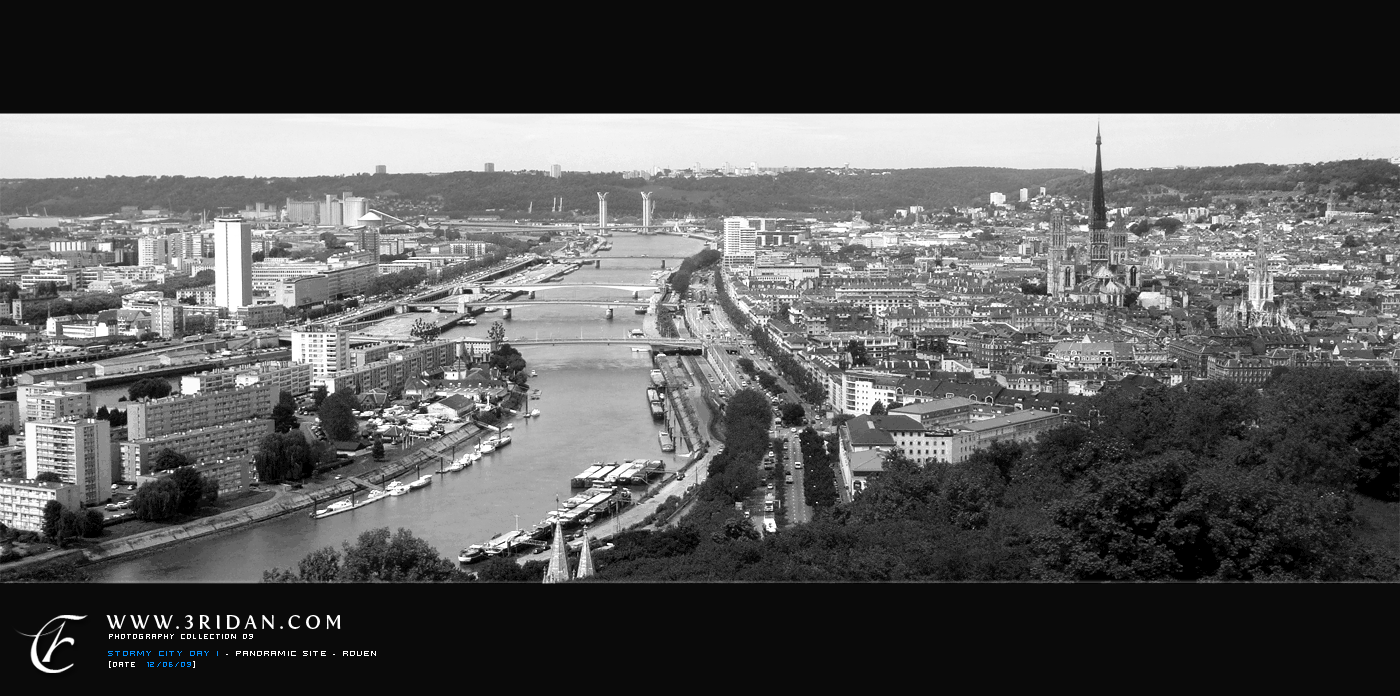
(53, 514)
(378, 452)
(167, 458)
(284, 414)
(92, 523)
(285, 456)
(425, 331)
(189, 486)
(157, 500)
(48, 477)
(152, 388)
(337, 416)
(379, 557)
(793, 414)
(319, 394)
(858, 352)
(877, 408)
(497, 333)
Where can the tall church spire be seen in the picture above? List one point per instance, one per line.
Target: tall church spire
(1099, 247)
(1099, 220)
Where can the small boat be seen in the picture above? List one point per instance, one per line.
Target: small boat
(535, 393)
(502, 440)
(472, 554)
(667, 444)
(426, 480)
(456, 466)
(375, 495)
(474, 457)
(396, 490)
(487, 447)
(535, 413)
(509, 426)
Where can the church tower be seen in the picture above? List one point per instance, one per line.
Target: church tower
(1261, 286)
(1098, 214)
(1059, 268)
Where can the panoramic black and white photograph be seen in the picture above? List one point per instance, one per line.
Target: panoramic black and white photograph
(264, 349)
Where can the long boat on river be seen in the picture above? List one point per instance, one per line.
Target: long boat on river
(348, 505)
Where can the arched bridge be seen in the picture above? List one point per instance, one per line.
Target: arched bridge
(656, 344)
(552, 286)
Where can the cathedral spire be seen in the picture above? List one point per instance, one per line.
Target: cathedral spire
(1099, 219)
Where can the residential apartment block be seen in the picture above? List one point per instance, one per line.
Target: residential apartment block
(227, 440)
(174, 414)
(22, 501)
(325, 348)
(78, 450)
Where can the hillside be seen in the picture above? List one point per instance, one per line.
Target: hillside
(1124, 187)
(511, 194)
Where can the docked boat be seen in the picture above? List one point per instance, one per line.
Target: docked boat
(535, 413)
(508, 426)
(457, 465)
(398, 489)
(658, 412)
(535, 393)
(502, 440)
(667, 444)
(474, 456)
(534, 374)
(640, 310)
(487, 447)
(658, 379)
(470, 322)
(472, 554)
(502, 543)
(426, 480)
(375, 495)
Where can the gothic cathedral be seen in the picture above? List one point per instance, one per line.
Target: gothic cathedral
(1108, 272)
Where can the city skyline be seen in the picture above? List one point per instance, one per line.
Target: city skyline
(302, 145)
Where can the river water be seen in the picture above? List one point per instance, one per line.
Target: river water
(593, 409)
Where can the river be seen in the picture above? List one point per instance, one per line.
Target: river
(593, 408)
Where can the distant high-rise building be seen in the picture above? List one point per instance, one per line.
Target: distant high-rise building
(233, 263)
(490, 167)
(325, 348)
(554, 171)
(1025, 195)
(380, 169)
(740, 242)
(998, 198)
(153, 250)
(1042, 190)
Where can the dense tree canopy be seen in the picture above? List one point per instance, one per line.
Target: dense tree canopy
(152, 388)
(337, 414)
(376, 556)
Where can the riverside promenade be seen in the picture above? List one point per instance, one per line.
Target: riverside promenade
(282, 503)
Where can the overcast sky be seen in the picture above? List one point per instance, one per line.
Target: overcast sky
(64, 145)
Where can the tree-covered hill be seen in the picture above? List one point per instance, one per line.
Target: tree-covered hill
(511, 194)
(1213, 482)
(1369, 178)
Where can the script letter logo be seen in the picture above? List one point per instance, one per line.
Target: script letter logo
(34, 647)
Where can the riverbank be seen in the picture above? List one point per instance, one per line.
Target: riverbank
(284, 502)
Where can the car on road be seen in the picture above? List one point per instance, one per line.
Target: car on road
(770, 485)
(797, 465)
(789, 478)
